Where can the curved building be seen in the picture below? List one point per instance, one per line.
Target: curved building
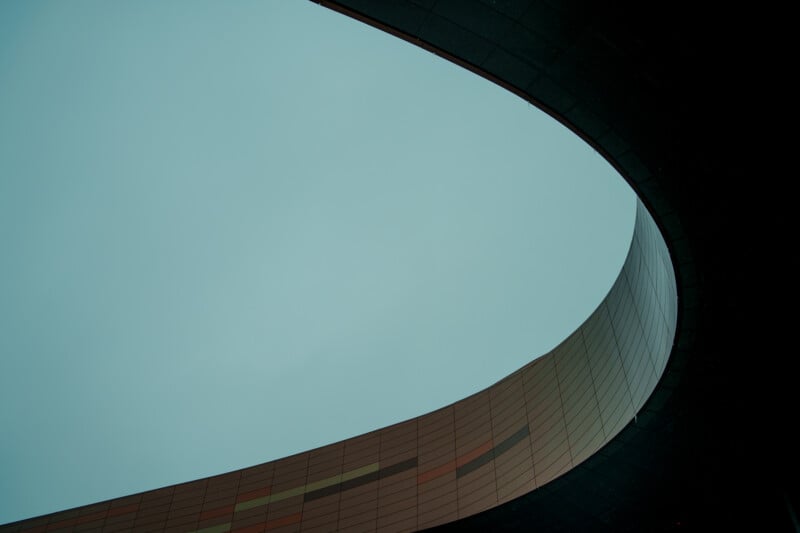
(659, 412)
(493, 447)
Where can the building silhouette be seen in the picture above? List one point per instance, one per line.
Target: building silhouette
(670, 408)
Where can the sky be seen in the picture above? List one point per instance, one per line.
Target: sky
(230, 232)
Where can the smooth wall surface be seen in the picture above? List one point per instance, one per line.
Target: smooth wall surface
(485, 450)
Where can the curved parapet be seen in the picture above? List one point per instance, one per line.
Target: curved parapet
(490, 448)
(669, 94)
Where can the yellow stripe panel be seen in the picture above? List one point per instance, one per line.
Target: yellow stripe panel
(322, 483)
(278, 496)
(249, 504)
(302, 489)
(358, 472)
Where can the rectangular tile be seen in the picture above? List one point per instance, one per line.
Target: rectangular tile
(275, 523)
(436, 472)
(399, 505)
(401, 525)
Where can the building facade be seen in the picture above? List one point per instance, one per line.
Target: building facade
(657, 414)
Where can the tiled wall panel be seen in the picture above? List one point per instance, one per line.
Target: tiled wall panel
(489, 448)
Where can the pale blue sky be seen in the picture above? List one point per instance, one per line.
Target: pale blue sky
(231, 231)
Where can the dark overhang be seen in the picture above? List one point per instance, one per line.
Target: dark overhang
(667, 93)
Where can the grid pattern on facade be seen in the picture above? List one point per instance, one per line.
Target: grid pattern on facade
(492, 447)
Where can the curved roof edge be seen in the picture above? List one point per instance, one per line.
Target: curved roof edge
(665, 93)
(671, 95)
(492, 447)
